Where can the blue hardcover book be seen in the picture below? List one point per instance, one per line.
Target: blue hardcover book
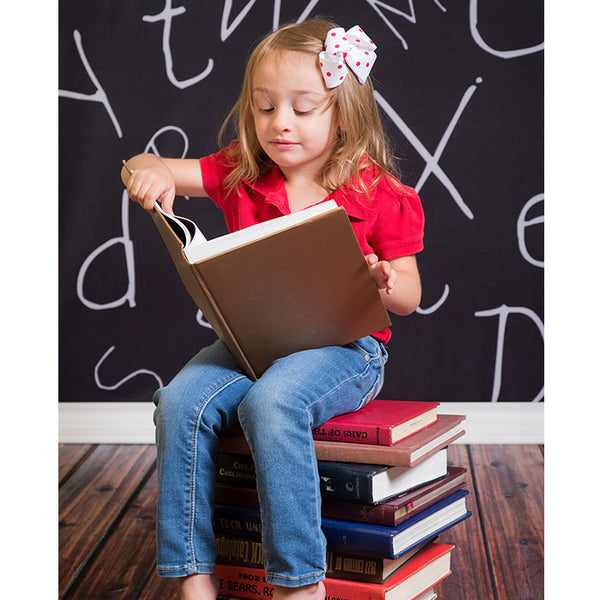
(392, 542)
(377, 541)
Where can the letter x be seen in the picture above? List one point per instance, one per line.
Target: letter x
(432, 160)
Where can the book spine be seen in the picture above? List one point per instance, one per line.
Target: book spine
(388, 514)
(378, 514)
(340, 451)
(241, 552)
(246, 582)
(356, 434)
(236, 470)
(392, 456)
(358, 538)
(339, 481)
(235, 443)
(362, 453)
(238, 496)
(241, 521)
(342, 536)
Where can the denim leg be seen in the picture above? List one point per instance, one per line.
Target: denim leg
(296, 394)
(199, 402)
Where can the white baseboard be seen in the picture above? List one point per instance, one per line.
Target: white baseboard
(131, 422)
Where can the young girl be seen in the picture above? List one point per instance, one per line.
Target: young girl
(308, 130)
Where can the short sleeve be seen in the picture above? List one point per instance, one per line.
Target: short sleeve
(214, 168)
(401, 223)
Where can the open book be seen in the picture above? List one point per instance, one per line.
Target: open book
(296, 282)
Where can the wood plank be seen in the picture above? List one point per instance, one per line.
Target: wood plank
(69, 457)
(107, 516)
(470, 577)
(160, 587)
(93, 498)
(510, 486)
(128, 557)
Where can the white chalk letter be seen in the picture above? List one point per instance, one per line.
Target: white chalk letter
(99, 95)
(124, 239)
(523, 223)
(432, 165)
(503, 313)
(436, 306)
(102, 386)
(473, 19)
(167, 15)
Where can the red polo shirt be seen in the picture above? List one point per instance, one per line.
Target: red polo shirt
(390, 223)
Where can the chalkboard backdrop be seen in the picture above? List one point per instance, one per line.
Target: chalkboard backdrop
(460, 87)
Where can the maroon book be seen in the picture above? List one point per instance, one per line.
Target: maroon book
(389, 513)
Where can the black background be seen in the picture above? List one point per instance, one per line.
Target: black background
(428, 59)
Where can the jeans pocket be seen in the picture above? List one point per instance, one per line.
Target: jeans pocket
(375, 356)
(371, 349)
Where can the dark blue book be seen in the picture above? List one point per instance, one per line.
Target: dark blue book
(348, 482)
(361, 538)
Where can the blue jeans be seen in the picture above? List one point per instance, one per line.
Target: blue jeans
(277, 413)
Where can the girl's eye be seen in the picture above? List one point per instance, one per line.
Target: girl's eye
(302, 113)
(265, 110)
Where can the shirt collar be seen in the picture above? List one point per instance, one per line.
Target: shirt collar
(271, 186)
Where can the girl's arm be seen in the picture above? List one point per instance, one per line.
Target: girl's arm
(398, 282)
(161, 179)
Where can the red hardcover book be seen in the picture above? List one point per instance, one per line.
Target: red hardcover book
(380, 422)
(407, 452)
(419, 574)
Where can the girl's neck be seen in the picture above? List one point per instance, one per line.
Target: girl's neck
(303, 192)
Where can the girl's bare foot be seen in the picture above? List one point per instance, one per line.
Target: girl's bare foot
(315, 591)
(201, 586)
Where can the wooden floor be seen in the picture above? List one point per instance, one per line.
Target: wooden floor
(107, 502)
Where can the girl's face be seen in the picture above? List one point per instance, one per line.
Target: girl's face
(294, 122)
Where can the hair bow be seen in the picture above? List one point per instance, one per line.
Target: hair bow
(352, 48)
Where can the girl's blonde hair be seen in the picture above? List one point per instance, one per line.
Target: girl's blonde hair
(360, 142)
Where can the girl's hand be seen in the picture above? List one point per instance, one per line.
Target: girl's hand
(148, 185)
(398, 282)
(382, 272)
(152, 179)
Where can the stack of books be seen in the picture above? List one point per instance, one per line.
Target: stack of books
(387, 493)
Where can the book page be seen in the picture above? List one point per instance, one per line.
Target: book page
(197, 252)
(185, 229)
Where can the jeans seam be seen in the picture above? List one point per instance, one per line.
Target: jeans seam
(316, 488)
(199, 413)
(282, 577)
(190, 566)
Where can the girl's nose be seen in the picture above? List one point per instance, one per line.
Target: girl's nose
(281, 120)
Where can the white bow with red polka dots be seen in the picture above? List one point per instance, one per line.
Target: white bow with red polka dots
(352, 48)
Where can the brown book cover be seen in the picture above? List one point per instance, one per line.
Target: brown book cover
(304, 286)
(408, 452)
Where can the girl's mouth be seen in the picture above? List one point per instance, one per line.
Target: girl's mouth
(283, 143)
